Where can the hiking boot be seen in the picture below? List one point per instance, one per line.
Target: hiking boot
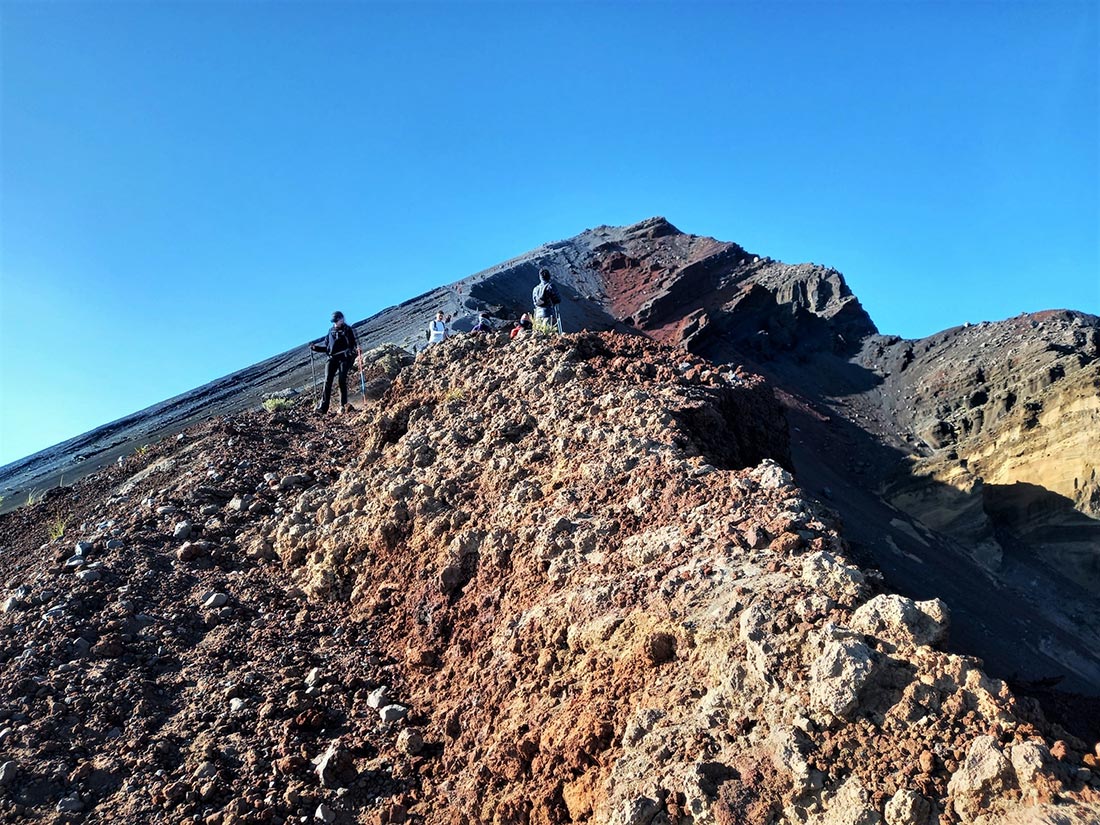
(346, 408)
(321, 409)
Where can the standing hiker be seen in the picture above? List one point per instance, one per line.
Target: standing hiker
(437, 329)
(341, 347)
(546, 300)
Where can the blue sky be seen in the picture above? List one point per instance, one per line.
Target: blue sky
(188, 188)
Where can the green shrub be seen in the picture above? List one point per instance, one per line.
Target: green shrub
(273, 404)
(56, 528)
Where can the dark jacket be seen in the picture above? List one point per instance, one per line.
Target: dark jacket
(340, 343)
(545, 296)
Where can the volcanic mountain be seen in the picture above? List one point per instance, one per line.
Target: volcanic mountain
(963, 464)
(727, 560)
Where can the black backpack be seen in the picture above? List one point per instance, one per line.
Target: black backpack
(344, 336)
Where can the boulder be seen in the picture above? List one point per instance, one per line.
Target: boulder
(901, 621)
(838, 675)
(984, 775)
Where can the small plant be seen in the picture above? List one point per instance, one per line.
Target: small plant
(543, 328)
(34, 496)
(57, 527)
(454, 394)
(141, 451)
(273, 404)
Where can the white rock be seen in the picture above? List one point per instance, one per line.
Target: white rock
(115, 544)
(236, 704)
(838, 675)
(11, 603)
(850, 805)
(1028, 760)
(182, 531)
(755, 631)
(903, 621)
(378, 698)
(325, 813)
(212, 601)
(786, 746)
(639, 811)
(984, 775)
(393, 713)
(88, 575)
(826, 574)
(82, 548)
(7, 772)
(771, 476)
(908, 808)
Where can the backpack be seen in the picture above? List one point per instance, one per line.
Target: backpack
(545, 295)
(344, 336)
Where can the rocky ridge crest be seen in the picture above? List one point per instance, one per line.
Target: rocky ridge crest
(538, 581)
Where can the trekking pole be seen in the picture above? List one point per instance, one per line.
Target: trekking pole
(362, 380)
(557, 319)
(313, 372)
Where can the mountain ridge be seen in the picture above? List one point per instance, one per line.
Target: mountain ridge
(855, 443)
(559, 579)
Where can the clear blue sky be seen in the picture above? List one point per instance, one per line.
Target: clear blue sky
(190, 188)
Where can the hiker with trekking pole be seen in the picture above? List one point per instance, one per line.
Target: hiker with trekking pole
(341, 347)
(546, 299)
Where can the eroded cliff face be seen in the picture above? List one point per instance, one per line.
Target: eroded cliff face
(1008, 420)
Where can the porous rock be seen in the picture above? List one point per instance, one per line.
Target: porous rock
(902, 621)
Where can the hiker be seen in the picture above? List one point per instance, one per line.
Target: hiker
(437, 329)
(482, 326)
(522, 325)
(341, 347)
(546, 299)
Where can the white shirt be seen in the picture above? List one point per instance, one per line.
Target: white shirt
(438, 330)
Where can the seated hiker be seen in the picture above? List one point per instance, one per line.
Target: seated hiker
(522, 325)
(546, 299)
(437, 329)
(482, 326)
(341, 348)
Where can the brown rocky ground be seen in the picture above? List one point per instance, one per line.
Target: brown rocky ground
(543, 581)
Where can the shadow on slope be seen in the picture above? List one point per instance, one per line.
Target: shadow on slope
(1024, 619)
